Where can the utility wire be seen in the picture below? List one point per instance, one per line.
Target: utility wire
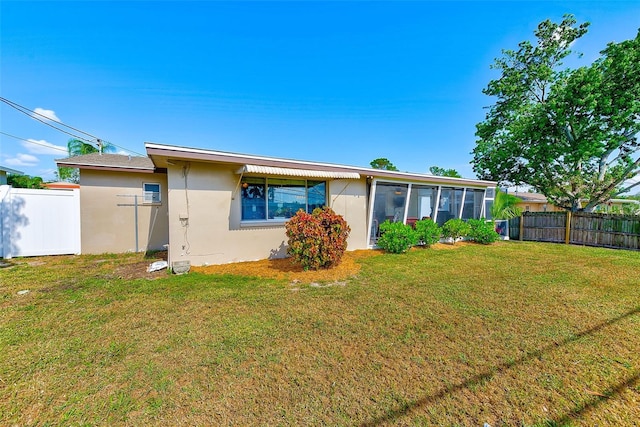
(33, 114)
(30, 112)
(34, 142)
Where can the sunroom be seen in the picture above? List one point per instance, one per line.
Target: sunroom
(408, 202)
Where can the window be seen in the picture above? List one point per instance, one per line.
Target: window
(488, 202)
(151, 192)
(449, 204)
(388, 205)
(421, 202)
(279, 199)
(472, 204)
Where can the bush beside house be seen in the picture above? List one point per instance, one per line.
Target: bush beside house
(317, 240)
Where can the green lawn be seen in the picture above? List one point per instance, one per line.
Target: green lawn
(510, 334)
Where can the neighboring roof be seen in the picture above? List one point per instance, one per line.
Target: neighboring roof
(116, 162)
(623, 201)
(9, 170)
(531, 197)
(61, 185)
(163, 156)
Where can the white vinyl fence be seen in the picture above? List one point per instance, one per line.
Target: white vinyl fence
(39, 222)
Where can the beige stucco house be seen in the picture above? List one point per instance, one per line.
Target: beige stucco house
(534, 202)
(119, 211)
(212, 207)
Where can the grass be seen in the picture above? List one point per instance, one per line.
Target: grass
(510, 334)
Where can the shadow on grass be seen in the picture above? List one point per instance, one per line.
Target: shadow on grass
(480, 378)
(597, 400)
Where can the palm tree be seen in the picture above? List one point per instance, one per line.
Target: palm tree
(78, 147)
(505, 206)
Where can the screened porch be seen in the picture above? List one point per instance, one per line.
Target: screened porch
(408, 202)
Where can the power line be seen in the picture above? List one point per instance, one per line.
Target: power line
(35, 142)
(48, 118)
(33, 114)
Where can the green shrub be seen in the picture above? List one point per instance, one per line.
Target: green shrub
(396, 237)
(482, 231)
(428, 232)
(317, 240)
(455, 229)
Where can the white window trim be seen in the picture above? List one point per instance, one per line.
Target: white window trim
(145, 192)
(269, 222)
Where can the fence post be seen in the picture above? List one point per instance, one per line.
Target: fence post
(521, 237)
(567, 229)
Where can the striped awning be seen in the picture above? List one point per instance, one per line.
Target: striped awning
(306, 173)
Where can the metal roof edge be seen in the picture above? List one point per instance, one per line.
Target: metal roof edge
(228, 157)
(105, 167)
(11, 171)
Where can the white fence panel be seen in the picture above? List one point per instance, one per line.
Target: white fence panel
(40, 222)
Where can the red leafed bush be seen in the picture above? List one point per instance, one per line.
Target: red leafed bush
(317, 240)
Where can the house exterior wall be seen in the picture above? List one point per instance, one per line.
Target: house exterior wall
(348, 197)
(205, 216)
(538, 206)
(107, 212)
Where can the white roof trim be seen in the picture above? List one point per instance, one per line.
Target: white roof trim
(162, 151)
(306, 173)
(9, 170)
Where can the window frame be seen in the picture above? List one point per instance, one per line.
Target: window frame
(308, 184)
(145, 192)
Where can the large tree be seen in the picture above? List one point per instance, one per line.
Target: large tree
(571, 134)
(383, 163)
(438, 171)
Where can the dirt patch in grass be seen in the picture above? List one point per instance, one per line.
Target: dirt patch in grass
(138, 269)
(449, 246)
(286, 269)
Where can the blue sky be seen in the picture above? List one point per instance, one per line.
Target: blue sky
(340, 82)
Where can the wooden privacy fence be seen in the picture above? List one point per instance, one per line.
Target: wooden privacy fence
(582, 228)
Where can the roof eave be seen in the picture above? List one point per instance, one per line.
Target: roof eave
(106, 167)
(162, 154)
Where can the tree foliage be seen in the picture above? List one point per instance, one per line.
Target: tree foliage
(24, 181)
(78, 147)
(383, 163)
(438, 171)
(572, 135)
(505, 206)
